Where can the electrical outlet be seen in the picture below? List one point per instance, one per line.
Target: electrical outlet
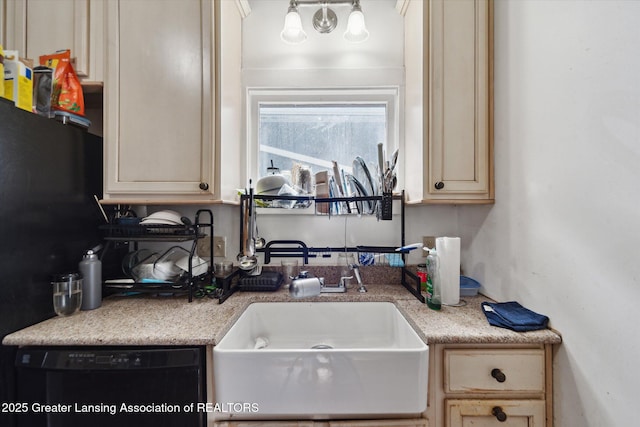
(429, 242)
(203, 249)
(219, 246)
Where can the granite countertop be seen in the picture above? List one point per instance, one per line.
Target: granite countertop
(148, 320)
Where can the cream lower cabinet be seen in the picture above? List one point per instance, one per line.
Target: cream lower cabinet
(160, 91)
(39, 27)
(490, 385)
(448, 110)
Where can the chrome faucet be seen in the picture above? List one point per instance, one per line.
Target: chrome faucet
(356, 271)
(305, 285)
(341, 287)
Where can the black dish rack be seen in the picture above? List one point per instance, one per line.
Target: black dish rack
(297, 248)
(189, 285)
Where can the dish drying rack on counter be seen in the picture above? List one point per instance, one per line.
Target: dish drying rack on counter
(188, 284)
(297, 248)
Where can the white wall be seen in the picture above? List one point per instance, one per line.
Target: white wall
(263, 49)
(323, 60)
(563, 236)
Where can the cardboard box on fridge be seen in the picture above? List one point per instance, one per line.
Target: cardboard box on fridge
(18, 80)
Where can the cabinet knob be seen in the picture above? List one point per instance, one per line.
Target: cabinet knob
(204, 186)
(499, 414)
(498, 375)
(439, 185)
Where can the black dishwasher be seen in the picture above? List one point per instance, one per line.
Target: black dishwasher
(110, 386)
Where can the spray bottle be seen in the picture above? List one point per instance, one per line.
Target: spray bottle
(434, 293)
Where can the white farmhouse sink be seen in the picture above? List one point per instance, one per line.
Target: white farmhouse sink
(321, 360)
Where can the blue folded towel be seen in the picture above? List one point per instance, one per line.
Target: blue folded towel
(512, 315)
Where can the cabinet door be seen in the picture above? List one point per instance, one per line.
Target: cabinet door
(458, 137)
(38, 27)
(495, 413)
(448, 65)
(159, 98)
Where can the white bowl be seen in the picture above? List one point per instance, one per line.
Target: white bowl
(165, 270)
(198, 265)
(163, 217)
(270, 183)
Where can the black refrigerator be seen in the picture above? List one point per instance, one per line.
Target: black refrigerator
(49, 174)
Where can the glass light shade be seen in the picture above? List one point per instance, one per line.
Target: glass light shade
(356, 28)
(292, 31)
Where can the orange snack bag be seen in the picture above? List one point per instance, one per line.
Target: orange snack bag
(67, 92)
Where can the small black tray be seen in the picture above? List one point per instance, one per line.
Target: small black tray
(268, 281)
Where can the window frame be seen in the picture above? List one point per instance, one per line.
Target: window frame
(388, 95)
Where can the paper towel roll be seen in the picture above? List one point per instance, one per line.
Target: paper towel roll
(448, 249)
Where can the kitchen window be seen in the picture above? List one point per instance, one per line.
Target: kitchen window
(315, 127)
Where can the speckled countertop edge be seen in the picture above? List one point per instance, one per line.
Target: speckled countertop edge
(145, 320)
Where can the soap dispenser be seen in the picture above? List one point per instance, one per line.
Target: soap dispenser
(434, 293)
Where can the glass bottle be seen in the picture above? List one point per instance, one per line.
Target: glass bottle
(434, 295)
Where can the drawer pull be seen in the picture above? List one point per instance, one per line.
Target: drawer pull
(498, 375)
(499, 414)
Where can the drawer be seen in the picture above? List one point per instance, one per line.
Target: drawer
(495, 413)
(487, 370)
(379, 423)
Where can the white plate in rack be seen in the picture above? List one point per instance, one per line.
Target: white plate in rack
(362, 174)
(166, 217)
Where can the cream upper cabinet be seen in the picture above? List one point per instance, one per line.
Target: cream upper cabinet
(160, 82)
(163, 88)
(39, 27)
(448, 110)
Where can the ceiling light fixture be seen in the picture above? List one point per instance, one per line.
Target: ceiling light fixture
(324, 21)
(292, 31)
(356, 28)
